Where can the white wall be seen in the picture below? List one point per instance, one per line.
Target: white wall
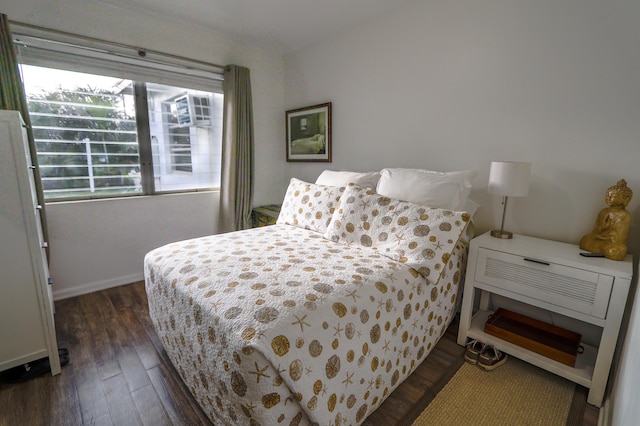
(624, 404)
(102, 243)
(455, 84)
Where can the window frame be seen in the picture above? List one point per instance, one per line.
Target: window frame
(70, 52)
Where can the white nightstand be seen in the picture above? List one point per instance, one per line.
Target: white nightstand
(552, 276)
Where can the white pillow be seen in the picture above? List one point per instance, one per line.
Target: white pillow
(470, 207)
(332, 178)
(444, 190)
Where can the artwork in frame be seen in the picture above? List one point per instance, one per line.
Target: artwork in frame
(309, 133)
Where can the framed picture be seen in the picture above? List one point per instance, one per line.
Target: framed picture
(309, 133)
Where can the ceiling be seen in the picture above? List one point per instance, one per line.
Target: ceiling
(288, 24)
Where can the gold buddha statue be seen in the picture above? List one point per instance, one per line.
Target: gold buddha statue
(609, 235)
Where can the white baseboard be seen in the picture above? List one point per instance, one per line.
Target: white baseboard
(605, 415)
(96, 286)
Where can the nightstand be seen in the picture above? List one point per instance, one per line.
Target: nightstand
(554, 277)
(265, 215)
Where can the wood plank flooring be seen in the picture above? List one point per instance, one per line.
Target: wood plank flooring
(119, 374)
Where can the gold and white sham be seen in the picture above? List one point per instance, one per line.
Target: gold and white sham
(308, 205)
(420, 237)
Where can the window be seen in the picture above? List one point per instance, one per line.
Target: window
(109, 120)
(186, 138)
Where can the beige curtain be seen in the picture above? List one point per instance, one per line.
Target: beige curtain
(13, 97)
(236, 183)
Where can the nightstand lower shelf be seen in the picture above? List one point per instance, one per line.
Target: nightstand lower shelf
(581, 374)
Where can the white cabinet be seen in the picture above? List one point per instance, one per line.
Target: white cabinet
(554, 277)
(27, 330)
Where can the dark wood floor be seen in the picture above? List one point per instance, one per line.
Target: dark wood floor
(119, 374)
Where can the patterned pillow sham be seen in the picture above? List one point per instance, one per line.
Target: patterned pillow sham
(418, 236)
(309, 206)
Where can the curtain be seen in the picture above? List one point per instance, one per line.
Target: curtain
(13, 97)
(236, 182)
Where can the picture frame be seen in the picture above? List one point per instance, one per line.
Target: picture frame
(309, 133)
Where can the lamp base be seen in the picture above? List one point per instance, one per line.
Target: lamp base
(505, 235)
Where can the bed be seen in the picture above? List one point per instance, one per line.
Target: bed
(314, 320)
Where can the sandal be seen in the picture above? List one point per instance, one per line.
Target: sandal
(33, 369)
(490, 358)
(474, 348)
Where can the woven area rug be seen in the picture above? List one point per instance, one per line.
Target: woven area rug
(516, 393)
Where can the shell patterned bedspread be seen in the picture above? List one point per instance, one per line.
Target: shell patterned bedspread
(278, 325)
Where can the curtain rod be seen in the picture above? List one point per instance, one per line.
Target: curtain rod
(141, 51)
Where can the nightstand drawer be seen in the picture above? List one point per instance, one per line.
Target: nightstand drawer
(567, 287)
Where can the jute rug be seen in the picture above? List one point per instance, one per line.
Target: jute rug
(516, 393)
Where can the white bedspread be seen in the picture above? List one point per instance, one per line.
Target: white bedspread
(277, 325)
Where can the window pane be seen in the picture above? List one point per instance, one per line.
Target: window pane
(85, 132)
(186, 137)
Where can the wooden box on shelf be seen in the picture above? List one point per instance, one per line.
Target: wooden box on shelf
(540, 337)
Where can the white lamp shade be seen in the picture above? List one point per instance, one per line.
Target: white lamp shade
(509, 178)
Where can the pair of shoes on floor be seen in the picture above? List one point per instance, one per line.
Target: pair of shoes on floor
(485, 356)
(33, 369)
(474, 349)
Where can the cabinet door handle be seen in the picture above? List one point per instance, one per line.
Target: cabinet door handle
(541, 262)
(45, 244)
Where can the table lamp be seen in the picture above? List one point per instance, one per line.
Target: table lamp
(508, 179)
